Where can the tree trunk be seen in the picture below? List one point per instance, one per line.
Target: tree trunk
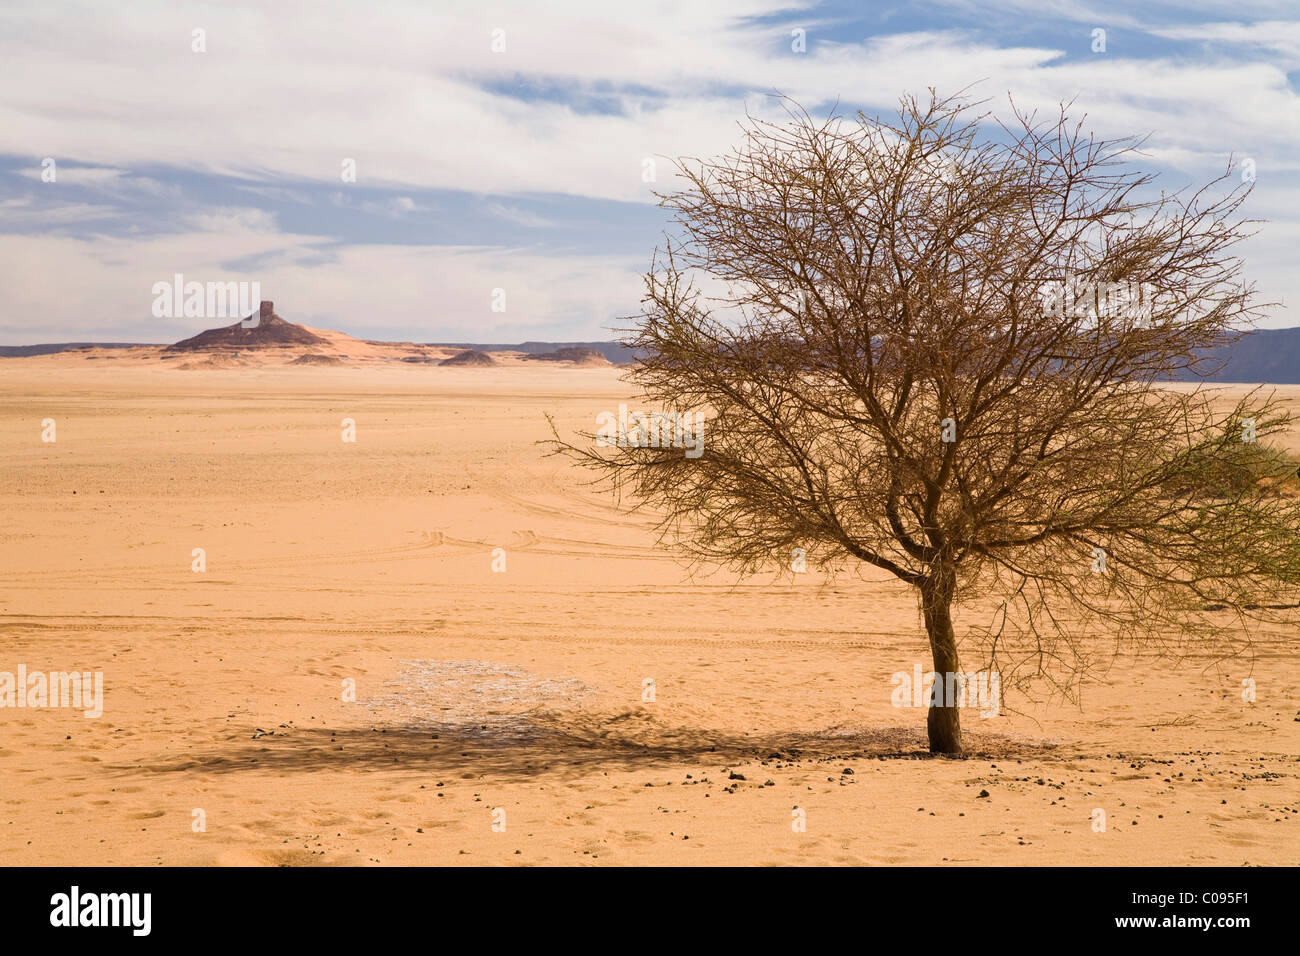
(943, 719)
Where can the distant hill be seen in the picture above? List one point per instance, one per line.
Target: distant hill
(612, 351)
(21, 351)
(233, 336)
(312, 358)
(469, 357)
(1269, 356)
(269, 330)
(579, 355)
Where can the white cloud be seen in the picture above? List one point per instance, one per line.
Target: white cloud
(96, 176)
(405, 88)
(116, 182)
(234, 221)
(520, 217)
(1280, 37)
(24, 212)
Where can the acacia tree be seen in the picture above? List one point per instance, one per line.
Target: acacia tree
(939, 347)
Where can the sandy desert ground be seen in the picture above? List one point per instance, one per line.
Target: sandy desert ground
(520, 691)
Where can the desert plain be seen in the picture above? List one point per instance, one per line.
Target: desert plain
(358, 677)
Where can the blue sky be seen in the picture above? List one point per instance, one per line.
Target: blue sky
(522, 168)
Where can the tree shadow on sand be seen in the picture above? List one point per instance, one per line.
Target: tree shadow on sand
(569, 743)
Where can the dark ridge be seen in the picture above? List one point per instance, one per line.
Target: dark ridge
(312, 358)
(1264, 355)
(570, 354)
(21, 351)
(615, 352)
(469, 357)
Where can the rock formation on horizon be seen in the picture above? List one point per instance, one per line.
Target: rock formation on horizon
(270, 330)
(469, 357)
(578, 356)
(315, 358)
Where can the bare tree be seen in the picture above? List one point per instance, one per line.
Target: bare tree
(942, 351)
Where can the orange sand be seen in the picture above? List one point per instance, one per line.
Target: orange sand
(522, 690)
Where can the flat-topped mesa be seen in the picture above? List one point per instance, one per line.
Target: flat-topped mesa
(263, 329)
